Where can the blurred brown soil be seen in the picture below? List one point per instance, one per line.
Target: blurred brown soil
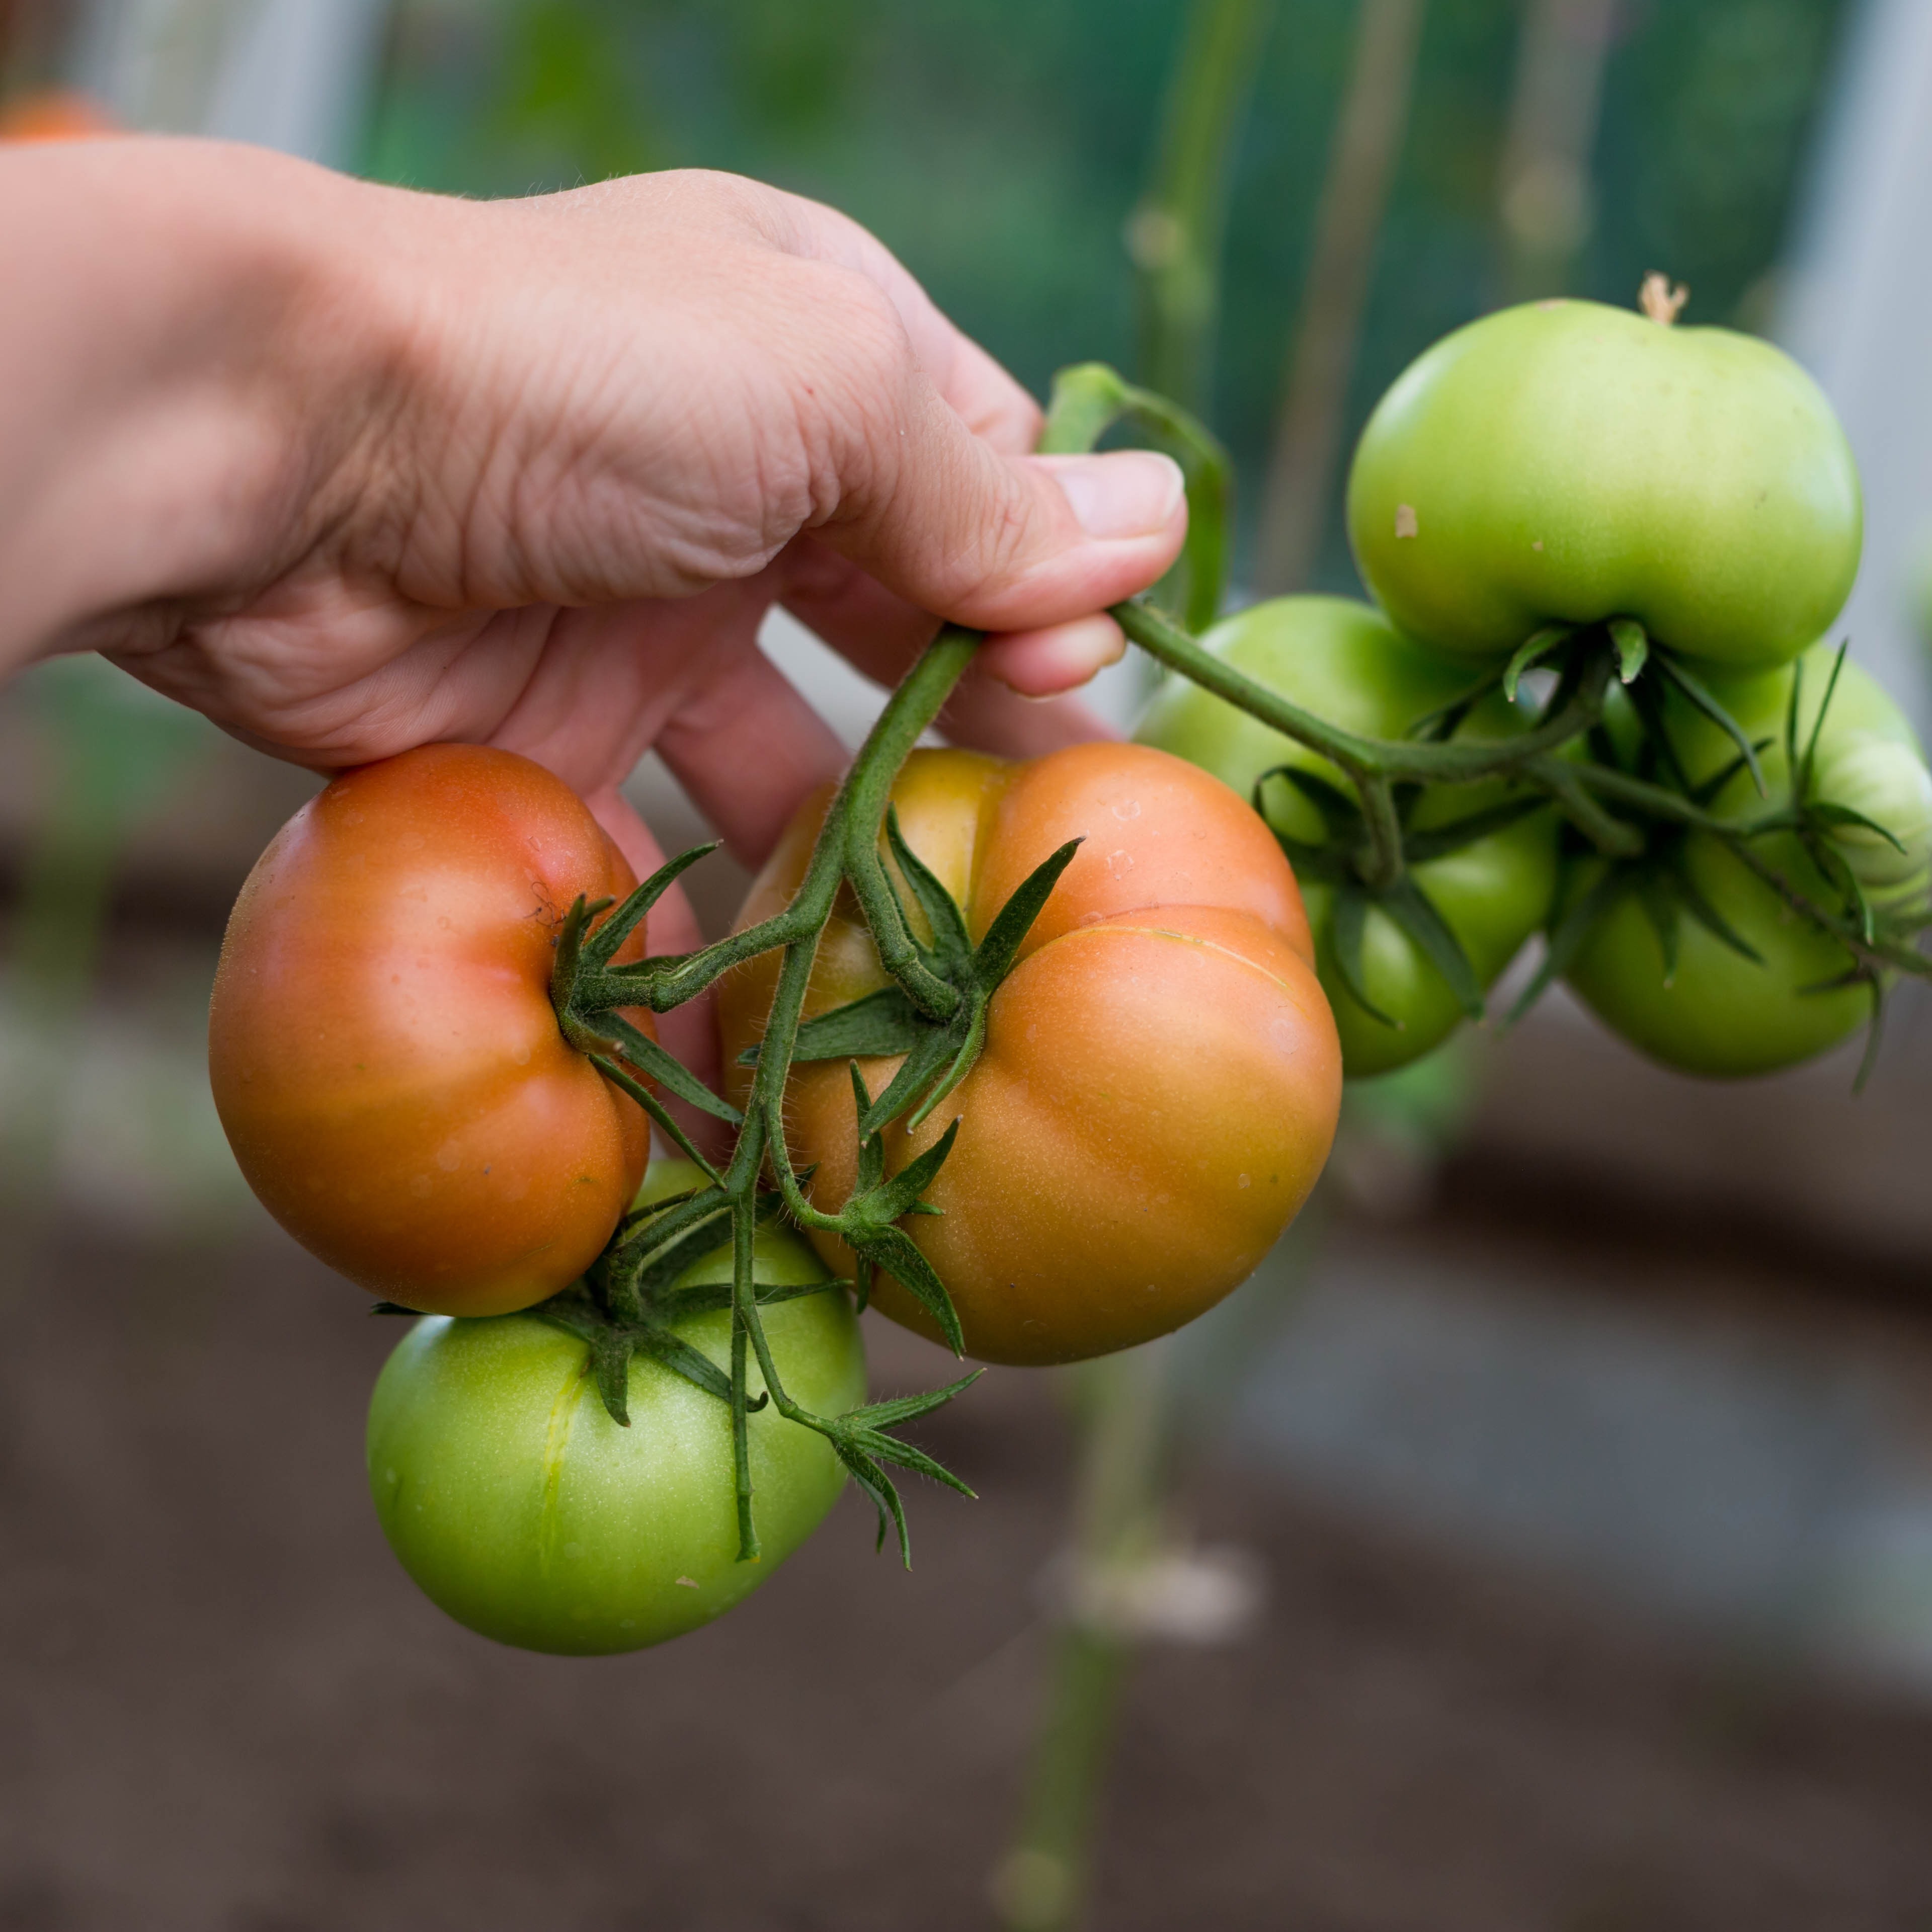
(223, 1709)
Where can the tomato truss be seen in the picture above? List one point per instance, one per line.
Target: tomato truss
(1635, 814)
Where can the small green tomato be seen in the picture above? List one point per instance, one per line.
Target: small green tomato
(519, 1507)
(1716, 1012)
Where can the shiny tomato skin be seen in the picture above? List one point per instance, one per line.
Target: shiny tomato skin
(385, 1057)
(1566, 462)
(522, 1510)
(1161, 1076)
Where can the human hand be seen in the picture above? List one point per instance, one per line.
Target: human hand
(531, 473)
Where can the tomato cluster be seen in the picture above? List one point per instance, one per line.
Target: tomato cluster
(1546, 474)
(1043, 1057)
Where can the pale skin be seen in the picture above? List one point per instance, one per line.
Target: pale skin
(351, 469)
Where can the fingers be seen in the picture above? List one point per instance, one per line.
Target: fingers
(1000, 543)
(888, 401)
(880, 634)
(1037, 664)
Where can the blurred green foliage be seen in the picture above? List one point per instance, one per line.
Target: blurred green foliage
(999, 146)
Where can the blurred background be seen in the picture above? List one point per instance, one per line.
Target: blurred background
(1559, 1502)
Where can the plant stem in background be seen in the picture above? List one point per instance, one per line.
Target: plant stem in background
(1547, 206)
(1174, 234)
(1361, 166)
(1175, 238)
(1040, 1885)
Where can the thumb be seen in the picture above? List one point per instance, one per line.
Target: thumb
(998, 542)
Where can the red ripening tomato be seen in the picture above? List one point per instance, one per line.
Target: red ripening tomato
(1161, 1075)
(383, 1051)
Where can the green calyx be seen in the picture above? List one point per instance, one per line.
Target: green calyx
(935, 1055)
(588, 991)
(1813, 851)
(674, 1257)
(1346, 861)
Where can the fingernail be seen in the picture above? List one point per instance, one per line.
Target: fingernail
(1129, 493)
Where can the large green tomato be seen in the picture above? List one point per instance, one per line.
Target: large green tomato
(1568, 462)
(1343, 660)
(522, 1510)
(1719, 1012)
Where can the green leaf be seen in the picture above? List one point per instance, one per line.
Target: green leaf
(1434, 728)
(1800, 776)
(879, 1027)
(649, 1058)
(1708, 916)
(892, 1249)
(1346, 926)
(674, 1353)
(908, 1408)
(1335, 805)
(872, 1148)
(1633, 644)
(1832, 861)
(937, 1047)
(1567, 936)
(1843, 814)
(1874, 1033)
(877, 1484)
(652, 1106)
(951, 945)
(900, 1194)
(890, 1449)
(611, 1368)
(1532, 652)
(1647, 701)
(1326, 864)
(1704, 794)
(1702, 699)
(712, 1297)
(1441, 842)
(1664, 908)
(1415, 912)
(1802, 780)
(603, 943)
(1015, 919)
(971, 1041)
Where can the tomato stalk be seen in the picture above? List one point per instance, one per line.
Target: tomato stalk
(1581, 789)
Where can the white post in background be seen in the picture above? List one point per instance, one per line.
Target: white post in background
(293, 74)
(1857, 313)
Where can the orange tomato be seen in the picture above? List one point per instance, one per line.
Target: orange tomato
(383, 1051)
(1161, 1076)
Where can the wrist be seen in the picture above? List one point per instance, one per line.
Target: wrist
(211, 364)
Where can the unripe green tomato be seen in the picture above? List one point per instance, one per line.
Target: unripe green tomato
(1720, 1013)
(520, 1508)
(1568, 462)
(1343, 660)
